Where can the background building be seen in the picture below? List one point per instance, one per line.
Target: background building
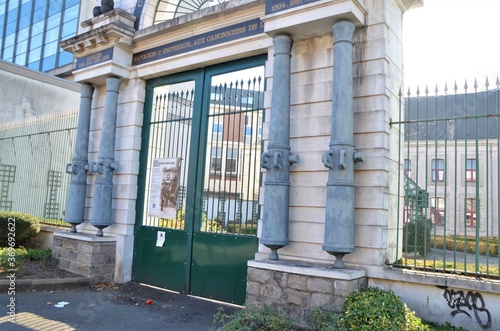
(451, 153)
(38, 118)
(31, 30)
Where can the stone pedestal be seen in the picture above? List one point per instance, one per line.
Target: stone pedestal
(298, 287)
(85, 255)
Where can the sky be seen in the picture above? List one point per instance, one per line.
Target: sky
(452, 40)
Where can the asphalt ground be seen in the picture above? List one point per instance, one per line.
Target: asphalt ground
(108, 307)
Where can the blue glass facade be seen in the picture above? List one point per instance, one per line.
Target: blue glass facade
(30, 32)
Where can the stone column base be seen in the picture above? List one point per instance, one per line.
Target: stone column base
(298, 287)
(85, 255)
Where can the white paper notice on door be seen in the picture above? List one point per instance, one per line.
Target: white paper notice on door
(160, 238)
(164, 186)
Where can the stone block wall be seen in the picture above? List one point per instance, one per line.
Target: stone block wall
(297, 292)
(85, 255)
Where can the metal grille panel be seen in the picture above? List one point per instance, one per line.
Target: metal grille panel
(450, 181)
(232, 178)
(170, 138)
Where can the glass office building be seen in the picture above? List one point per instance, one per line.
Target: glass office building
(30, 32)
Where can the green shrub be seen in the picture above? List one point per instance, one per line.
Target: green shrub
(443, 327)
(14, 258)
(369, 309)
(171, 223)
(210, 225)
(254, 318)
(250, 229)
(320, 319)
(179, 222)
(44, 255)
(485, 248)
(373, 309)
(26, 227)
(417, 236)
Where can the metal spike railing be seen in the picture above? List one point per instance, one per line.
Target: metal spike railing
(450, 151)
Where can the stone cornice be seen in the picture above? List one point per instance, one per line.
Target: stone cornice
(112, 28)
(315, 18)
(409, 4)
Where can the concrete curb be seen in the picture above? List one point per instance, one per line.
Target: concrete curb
(44, 284)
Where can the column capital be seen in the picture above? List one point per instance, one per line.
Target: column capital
(343, 31)
(282, 44)
(113, 84)
(86, 90)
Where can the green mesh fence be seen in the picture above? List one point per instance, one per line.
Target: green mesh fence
(33, 155)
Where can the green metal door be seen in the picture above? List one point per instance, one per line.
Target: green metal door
(199, 180)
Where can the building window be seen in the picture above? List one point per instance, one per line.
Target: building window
(470, 212)
(166, 10)
(407, 167)
(470, 170)
(247, 101)
(32, 30)
(216, 96)
(231, 161)
(437, 211)
(216, 160)
(407, 214)
(217, 129)
(248, 134)
(438, 170)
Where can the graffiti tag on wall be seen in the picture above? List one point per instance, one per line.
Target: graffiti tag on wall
(463, 303)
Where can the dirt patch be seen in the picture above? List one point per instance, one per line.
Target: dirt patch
(37, 270)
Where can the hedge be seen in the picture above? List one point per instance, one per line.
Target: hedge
(375, 309)
(417, 236)
(24, 228)
(490, 248)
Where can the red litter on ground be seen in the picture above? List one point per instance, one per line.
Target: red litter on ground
(149, 301)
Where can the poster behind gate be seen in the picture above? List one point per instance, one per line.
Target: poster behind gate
(164, 186)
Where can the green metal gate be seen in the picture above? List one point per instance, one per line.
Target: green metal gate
(199, 180)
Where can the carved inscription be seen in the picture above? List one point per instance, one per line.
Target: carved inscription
(274, 6)
(204, 40)
(473, 302)
(93, 59)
